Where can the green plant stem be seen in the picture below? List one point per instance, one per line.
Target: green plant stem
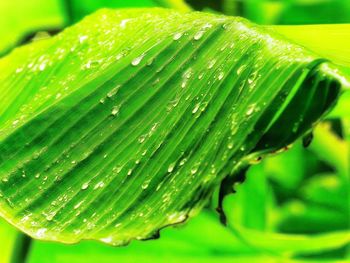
(21, 248)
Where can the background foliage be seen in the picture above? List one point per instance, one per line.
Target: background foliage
(292, 207)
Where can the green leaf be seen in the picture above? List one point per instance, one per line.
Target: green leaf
(7, 240)
(126, 122)
(335, 40)
(203, 239)
(292, 245)
(19, 19)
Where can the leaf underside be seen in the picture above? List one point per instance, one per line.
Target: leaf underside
(126, 122)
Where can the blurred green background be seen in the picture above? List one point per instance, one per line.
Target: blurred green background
(293, 207)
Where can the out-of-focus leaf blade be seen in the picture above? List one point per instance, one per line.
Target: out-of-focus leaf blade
(329, 41)
(7, 240)
(19, 19)
(126, 122)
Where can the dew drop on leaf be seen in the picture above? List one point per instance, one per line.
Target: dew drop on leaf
(78, 205)
(40, 232)
(107, 240)
(124, 22)
(171, 167)
(194, 169)
(198, 35)
(136, 61)
(177, 36)
(241, 69)
(145, 184)
(84, 186)
(250, 110)
(115, 110)
(99, 185)
(82, 39)
(91, 64)
(195, 109)
(142, 138)
(112, 92)
(211, 63)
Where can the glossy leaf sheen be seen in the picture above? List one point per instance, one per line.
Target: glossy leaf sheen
(126, 122)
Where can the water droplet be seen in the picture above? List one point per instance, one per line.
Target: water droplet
(112, 92)
(150, 62)
(176, 217)
(211, 63)
(171, 167)
(188, 74)
(84, 186)
(166, 197)
(91, 64)
(183, 161)
(194, 169)
(240, 69)
(221, 76)
(107, 240)
(14, 123)
(177, 36)
(213, 169)
(198, 35)
(137, 60)
(196, 107)
(119, 56)
(157, 80)
(142, 138)
(117, 169)
(42, 66)
(50, 216)
(40, 232)
(115, 110)
(78, 205)
(230, 145)
(82, 39)
(130, 171)
(145, 184)
(99, 185)
(250, 110)
(124, 22)
(207, 25)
